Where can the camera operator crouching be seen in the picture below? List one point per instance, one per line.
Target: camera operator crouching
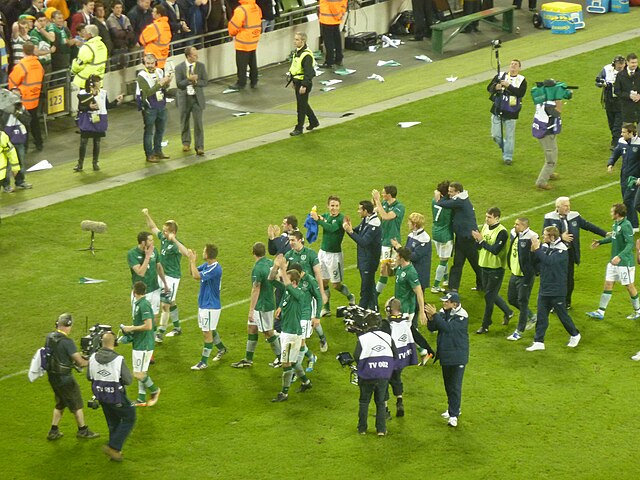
(62, 358)
(109, 374)
(375, 355)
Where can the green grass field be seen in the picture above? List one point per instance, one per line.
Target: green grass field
(555, 414)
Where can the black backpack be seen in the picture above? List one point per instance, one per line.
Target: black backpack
(402, 24)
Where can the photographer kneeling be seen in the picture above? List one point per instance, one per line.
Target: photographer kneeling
(62, 357)
(109, 374)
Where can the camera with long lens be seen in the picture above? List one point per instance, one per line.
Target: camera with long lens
(357, 319)
(496, 44)
(600, 82)
(93, 403)
(92, 341)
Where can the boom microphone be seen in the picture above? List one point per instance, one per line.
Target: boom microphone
(91, 226)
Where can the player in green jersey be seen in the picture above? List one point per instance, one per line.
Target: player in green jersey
(261, 309)
(408, 289)
(291, 336)
(622, 265)
(170, 257)
(391, 213)
(142, 332)
(308, 260)
(442, 236)
(145, 266)
(330, 255)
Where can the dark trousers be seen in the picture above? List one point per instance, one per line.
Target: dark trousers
(396, 383)
(545, 304)
(423, 18)
(630, 112)
(368, 289)
(83, 150)
(464, 249)
(244, 59)
(491, 282)
(570, 273)
(332, 44)
(377, 389)
(614, 118)
(469, 7)
(303, 107)
(191, 108)
(21, 151)
(155, 121)
(418, 337)
(518, 295)
(120, 420)
(629, 200)
(518, 4)
(452, 376)
(34, 127)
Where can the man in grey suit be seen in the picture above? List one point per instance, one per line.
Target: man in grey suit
(191, 78)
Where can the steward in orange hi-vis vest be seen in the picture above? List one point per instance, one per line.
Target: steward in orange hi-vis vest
(156, 37)
(245, 27)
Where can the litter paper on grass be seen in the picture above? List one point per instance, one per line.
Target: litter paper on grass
(408, 124)
(241, 114)
(423, 58)
(375, 76)
(41, 165)
(452, 78)
(344, 71)
(328, 83)
(86, 280)
(388, 63)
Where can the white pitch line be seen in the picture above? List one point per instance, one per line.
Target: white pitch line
(350, 267)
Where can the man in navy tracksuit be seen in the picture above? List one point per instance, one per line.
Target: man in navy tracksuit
(452, 325)
(569, 224)
(464, 222)
(552, 259)
(368, 237)
(628, 147)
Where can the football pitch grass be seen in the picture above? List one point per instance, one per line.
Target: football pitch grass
(560, 413)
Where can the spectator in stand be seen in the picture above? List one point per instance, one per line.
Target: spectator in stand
(61, 58)
(177, 19)
(83, 16)
(269, 13)
(216, 15)
(60, 5)
(27, 76)
(36, 6)
(100, 20)
(245, 27)
(155, 38)
(10, 10)
(5, 27)
(4, 61)
(120, 29)
(43, 41)
(19, 36)
(197, 11)
(140, 16)
(17, 131)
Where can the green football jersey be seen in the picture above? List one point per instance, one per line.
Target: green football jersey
(406, 280)
(391, 228)
(143, 340)
(622, 244)
(310, 288)
(150, 279)
(260, 274)
(291, 312)
(441, 231)
(306, 257)
(170, 257)
(333, 233)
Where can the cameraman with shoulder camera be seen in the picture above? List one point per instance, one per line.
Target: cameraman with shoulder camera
(507, 90)
(62, 357)
(376, 356)
(109, 374)
(547, 123)
(610, 101)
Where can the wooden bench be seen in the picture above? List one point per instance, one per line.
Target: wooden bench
(437, 31)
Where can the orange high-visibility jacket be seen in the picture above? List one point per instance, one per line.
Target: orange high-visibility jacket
(332, 11)
(245, 25)
(27, 76)
(156, 38)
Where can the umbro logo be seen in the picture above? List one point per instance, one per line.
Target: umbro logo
(403, 338)
(104, 373)
(377, 348)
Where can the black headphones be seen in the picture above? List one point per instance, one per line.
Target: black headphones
(64, 320)
(618, 59)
